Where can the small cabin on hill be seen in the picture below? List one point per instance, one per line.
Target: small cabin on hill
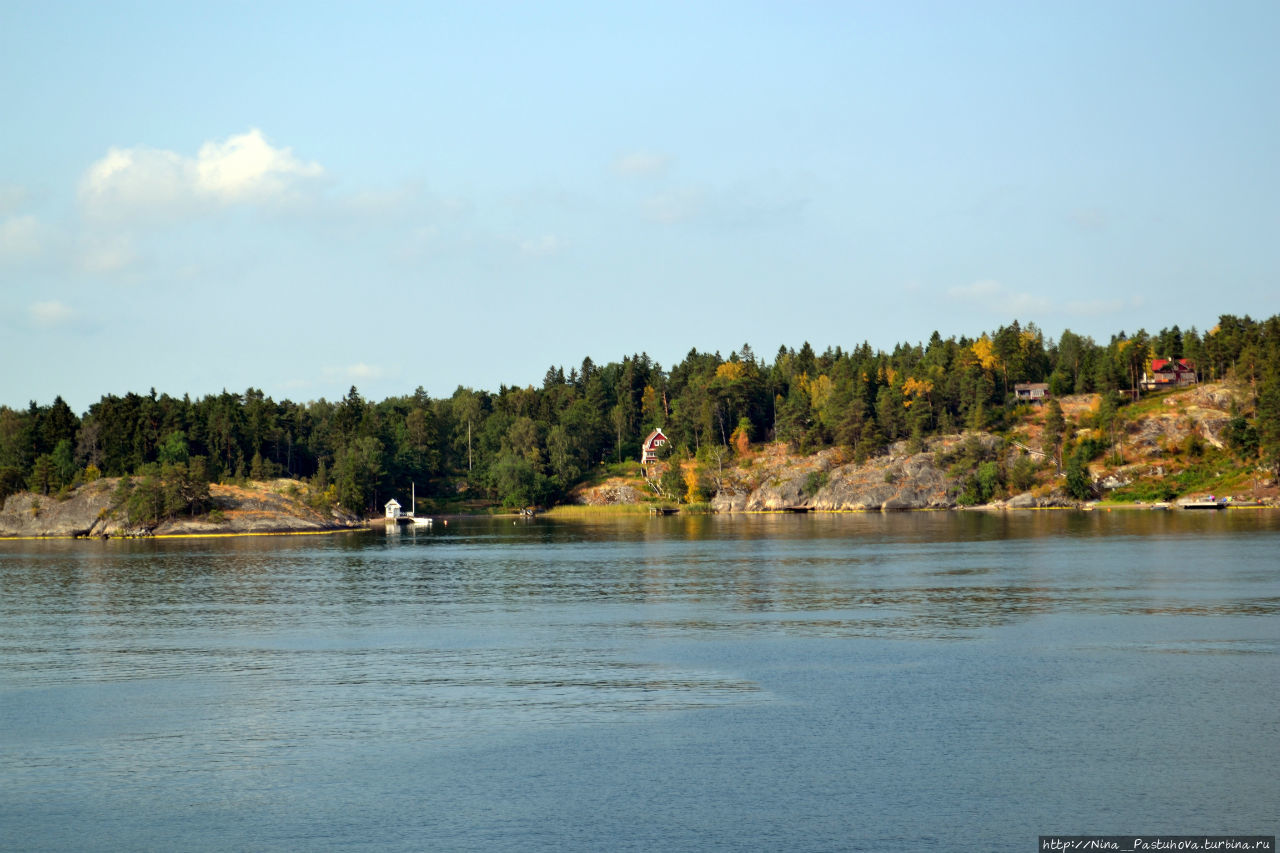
(1031, 392)
(649, 450)
(393, 508)
(1169, 373)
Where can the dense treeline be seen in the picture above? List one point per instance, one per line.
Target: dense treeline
(530, 445)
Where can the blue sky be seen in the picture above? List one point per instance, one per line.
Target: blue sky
(302, 197)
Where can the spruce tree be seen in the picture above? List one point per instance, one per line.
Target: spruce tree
(1054, 427)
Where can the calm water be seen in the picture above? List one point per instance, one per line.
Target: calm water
(856, 682)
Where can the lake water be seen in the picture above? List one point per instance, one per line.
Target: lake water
(945, 681)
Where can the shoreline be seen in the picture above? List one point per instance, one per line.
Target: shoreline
(209, 535)
(616, 511)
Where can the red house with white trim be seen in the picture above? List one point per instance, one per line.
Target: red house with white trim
(649, 450)
(1169, 373)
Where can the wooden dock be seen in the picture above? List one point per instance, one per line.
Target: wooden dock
(411, 520)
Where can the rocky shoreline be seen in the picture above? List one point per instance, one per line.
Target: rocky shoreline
(1152, 445)
(825, 482)
(91, 512)
(769, 478)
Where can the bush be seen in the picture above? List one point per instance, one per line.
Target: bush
(1146, 492)
(671, 480)
(981, 486)
(966, 455)
(813, 483)
(1242, 437)
(1078, 483)
(1090, 448)
(12, 481)
(1022, 474)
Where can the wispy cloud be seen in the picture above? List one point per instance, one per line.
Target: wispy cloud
(357, 371)
(995, 297)
(48, 315)
(979, 291)
(643, 164)
(241, 168)
(748, 204)
(12, 198)
(542, 247)
(21, 237)
(674, 206)
(999, 299)
(108, 255)
(1089, 219)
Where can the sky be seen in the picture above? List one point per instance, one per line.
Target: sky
(302, 197)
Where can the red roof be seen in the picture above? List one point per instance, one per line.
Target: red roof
(1162, 363)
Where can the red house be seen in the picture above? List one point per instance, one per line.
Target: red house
(1169, 373)
(649, 450)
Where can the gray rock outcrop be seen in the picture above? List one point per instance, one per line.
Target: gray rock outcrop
(897, 481)
(91, 511)
(86, 512)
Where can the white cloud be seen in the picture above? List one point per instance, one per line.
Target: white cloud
(674, 206)
(645, 164)
(108, 255)
(47, 315)
(243, 168)
(542, 247)
(389, 201)
(1024, 304)
(979, 291)
(999, 299)
(20, 237)
(759, 203)
(246, 166)
(136, 177)
(360, 370)
(12, 197)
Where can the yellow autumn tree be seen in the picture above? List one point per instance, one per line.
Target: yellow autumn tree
(913, 389)
(731, 371)
(819, 390)
(651, 406)
(694, 492)
(984, 349)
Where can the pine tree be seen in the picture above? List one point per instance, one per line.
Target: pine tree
(1268, 422)
(1054, 427)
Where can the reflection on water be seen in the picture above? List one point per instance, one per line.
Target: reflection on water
(882, 676)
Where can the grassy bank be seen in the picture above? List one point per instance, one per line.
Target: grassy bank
(581, 511)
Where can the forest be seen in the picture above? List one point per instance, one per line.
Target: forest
(530, 445)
